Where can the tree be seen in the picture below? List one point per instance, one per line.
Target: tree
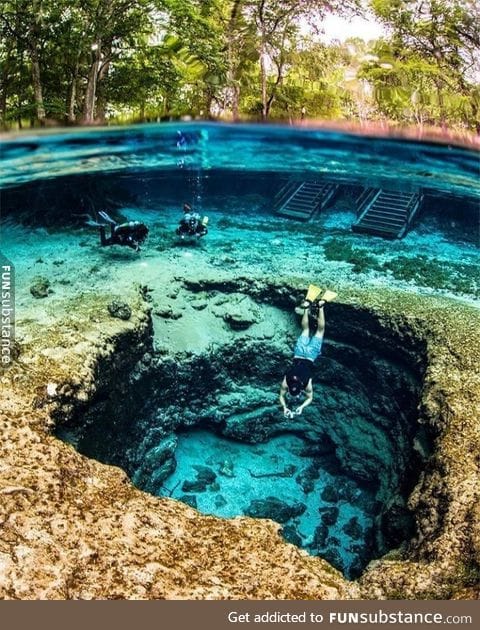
(22, 23)
(441, 35)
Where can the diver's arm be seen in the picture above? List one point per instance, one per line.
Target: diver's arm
(281, 398)
(308, 400)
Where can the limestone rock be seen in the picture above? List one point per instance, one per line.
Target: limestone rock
(275, 509)
(329, 515)
(120, 310)
(40, 287)
(204, 478)
(355, 530)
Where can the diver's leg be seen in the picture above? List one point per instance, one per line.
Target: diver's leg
(305, 328)
(320, 320)
(103, 239)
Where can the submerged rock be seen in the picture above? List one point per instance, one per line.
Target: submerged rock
(330, 494)
(353, 528)
(307, 476)
(158, 463)
(220, 501)
(120, 310)
(320, 536)
(205, 477)
(168, 312)
(329, 515)
(333, 556)
(239, 312)
(40, 287)
(396, 525)
(291, 535)
(189, 499)
(273, 508)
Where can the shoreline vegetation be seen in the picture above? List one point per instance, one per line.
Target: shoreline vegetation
(68, 63)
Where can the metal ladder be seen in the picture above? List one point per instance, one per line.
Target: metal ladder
(386, 213)
(301, 200)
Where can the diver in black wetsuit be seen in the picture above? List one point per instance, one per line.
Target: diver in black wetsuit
(130, 234)
(191, 224)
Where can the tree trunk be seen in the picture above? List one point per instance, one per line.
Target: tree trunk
(33, 47)
(231, 82)
(91, 91)
(101, 109)
(3, 109)
(263, 79)
(71, 100)
(235, 102)
(37, 90)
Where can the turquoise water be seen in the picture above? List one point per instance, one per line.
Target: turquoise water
(349, 158)
(244, 478)
(232, 173)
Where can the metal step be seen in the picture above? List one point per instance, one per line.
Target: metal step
(387, 213)
(303, 200)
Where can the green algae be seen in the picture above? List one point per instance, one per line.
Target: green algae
(458, 277)
(344, 251)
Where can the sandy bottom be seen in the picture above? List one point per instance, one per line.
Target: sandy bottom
(243, 242)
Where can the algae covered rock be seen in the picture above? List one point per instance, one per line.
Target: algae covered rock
(40, 287)
(329, 515)
(120, 310)
(273, 508)
(240, 312)
(204, 478)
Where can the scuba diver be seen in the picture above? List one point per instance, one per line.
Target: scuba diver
(130, 234)
(191, 224)
(297, 382)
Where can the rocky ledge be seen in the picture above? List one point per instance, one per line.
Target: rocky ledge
(72, 527)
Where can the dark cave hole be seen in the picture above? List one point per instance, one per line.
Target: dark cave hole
(337, 478)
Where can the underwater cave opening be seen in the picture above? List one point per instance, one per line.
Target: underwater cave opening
(206, 429)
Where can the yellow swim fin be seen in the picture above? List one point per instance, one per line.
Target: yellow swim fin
(205, 221)
(329, 296)
(313, 293)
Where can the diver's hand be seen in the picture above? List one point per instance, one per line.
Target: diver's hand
(298, 411)
(287, 413)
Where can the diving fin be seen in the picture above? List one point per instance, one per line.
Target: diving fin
(105, 217)
(92, 223)
(329, 296)
(313, 292)
(205, 221)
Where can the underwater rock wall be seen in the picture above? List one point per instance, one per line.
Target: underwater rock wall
(74, 528)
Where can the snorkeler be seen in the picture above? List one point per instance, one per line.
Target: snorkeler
(191, 224)
(130, 234)
(298, 379)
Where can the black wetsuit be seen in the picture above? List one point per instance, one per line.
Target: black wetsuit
(130, 234)
(191, 225)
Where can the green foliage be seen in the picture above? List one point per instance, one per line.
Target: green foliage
(91, 60)
(433, 61)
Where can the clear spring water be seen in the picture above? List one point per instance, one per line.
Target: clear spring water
(350, 158)
(195, 155)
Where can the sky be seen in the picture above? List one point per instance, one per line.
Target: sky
(336, 27)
